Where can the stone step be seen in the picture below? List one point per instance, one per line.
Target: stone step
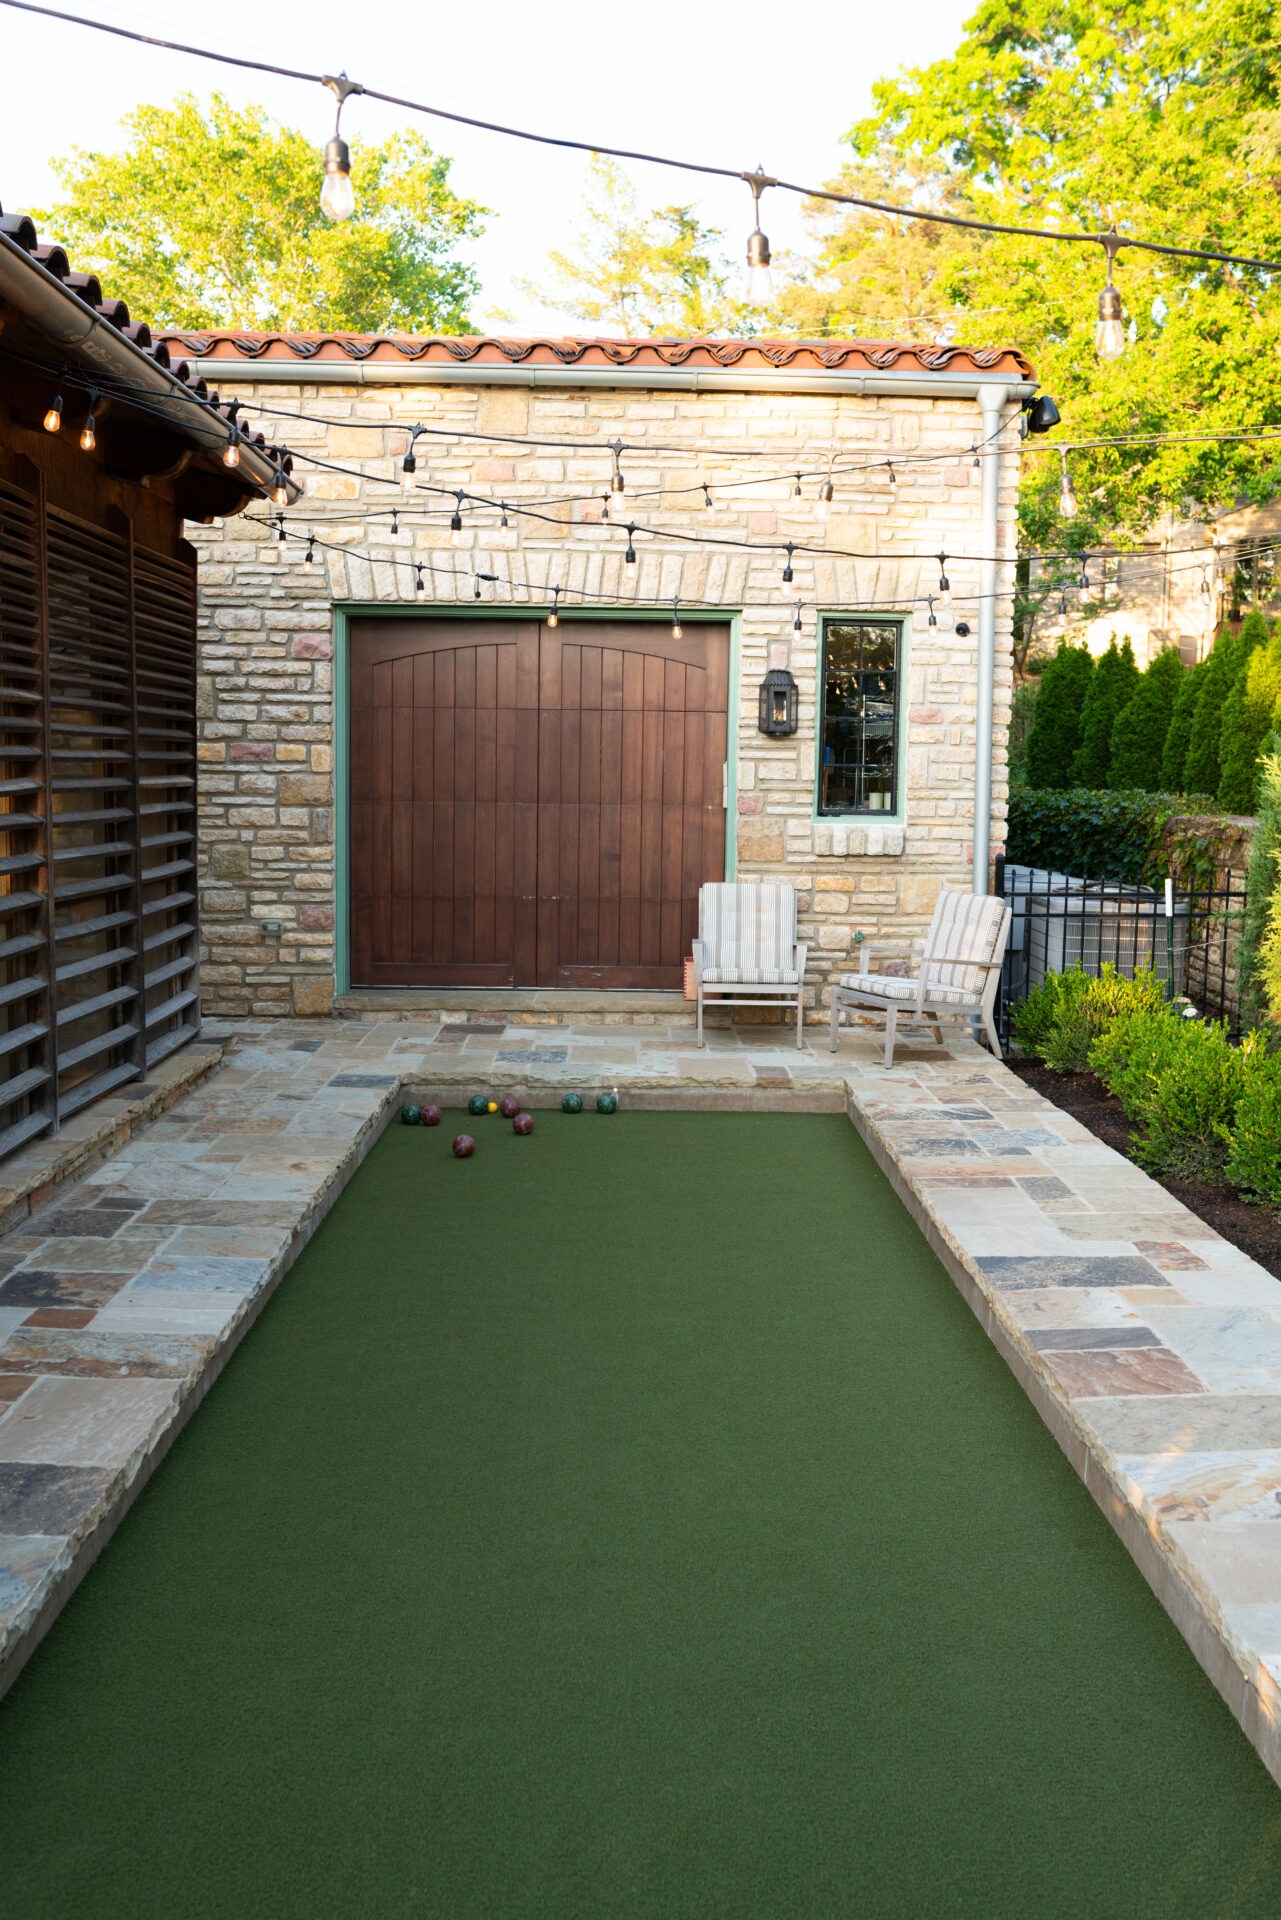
(517, 1006)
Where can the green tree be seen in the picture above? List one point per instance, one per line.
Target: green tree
(1262, 884)
(1138, 737)
(642, 273)
(1156, 116)
(210, 217)
(1112, 686)
(1056, 724)
(1174, 758)
(1202, 771)
(1247, 714)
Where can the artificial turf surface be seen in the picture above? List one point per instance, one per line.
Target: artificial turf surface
(630, 1521)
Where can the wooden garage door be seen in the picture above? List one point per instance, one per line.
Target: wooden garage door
(533, 806)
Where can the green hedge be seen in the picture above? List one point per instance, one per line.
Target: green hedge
(1100, 836)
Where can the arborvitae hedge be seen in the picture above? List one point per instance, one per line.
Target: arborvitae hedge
(1202, 772)
(1056, 726)
(1138, 737)
(1112, 686)
(1174, 759)
(1247, 714)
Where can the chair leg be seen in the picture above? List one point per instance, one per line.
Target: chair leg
(835, 1027)
(800, 1016)
(700, 1013)
(891, 1019)
(994, 1038)
(936, 1030)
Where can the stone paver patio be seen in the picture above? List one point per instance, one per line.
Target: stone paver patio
(1150, 1346)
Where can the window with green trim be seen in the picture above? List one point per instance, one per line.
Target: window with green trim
(859, 720)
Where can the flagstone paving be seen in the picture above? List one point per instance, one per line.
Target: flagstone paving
(1151, 1347)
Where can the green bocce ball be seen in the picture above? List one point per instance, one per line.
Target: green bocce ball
(410, 1116)
(572, 1103)
(607, 1103)
(478, 1104)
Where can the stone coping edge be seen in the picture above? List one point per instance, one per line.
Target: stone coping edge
(31, 1179)
(1248, 1689)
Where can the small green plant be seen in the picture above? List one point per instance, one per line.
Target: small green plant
(1180, 1081)
(1254, 1156)
(1060, 1020)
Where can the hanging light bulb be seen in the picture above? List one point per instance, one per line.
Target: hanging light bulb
(553, 618)
(1067, 495)
(889, 466)
(604, 508)
(933, 619)
(826, 495)
(1109, 333)
(1205, 584)
(976, 462)
(616, 486)
(1063, 605)
(1083, 584)
(420, 584)
(280, 536)
(456, 517)
(408, 468)
(788, 575)
(708, 502)
(309, 558)
(796, 490)
(760, 281)
(945, 585)
(53, 419)
(88, 435)
(231, 452)
(476, 594)
(503, 522)
(796, 624)
(395, 523)
(337, 196)
(630, 555)
(677, 630)
(279, 495)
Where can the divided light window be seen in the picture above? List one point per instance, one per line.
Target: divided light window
(859, 716)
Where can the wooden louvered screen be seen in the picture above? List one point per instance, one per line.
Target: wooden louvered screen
(97, 734)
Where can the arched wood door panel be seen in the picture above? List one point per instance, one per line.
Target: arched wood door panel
(533, 806)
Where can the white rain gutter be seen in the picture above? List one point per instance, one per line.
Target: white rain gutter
(383, 373)
(993, 400)
(75, 329)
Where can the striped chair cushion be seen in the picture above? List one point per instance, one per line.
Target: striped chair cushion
(751, 977)
(748, 931)
(892, 986)
(963, 938)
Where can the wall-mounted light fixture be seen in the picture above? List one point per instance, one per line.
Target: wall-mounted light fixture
(778, 712)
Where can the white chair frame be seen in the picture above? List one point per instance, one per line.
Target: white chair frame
(938, 992)
(741, 993)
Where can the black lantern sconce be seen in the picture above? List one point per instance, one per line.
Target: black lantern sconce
(779, 710)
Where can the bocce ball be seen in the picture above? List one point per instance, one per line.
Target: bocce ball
(464, 1147)
(523, 1123)
(509, 1107)
(491, 1106)
(607, 1103)
(410, 1116)
(477, 1103)
(572, 1103)
(429, 1116)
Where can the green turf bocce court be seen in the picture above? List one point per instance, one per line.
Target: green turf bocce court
(631, 1520)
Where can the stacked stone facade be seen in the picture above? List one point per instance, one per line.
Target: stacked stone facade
(267, 692)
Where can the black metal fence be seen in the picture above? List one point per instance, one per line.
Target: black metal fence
(1188, 937)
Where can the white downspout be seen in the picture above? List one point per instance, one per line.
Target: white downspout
(993, 400)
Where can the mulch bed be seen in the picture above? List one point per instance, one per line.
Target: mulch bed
(1256, 1230)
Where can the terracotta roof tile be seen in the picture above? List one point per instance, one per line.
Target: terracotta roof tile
(800, 356)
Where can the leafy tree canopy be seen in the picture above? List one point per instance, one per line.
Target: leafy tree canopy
(1160, 117)
(210, 217)
(640, 273)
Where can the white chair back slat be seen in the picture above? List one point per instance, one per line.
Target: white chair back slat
(963, 939)
(748, 925)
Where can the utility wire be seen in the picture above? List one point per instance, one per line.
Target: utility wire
(1068, 236)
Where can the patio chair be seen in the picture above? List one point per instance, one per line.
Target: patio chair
(955, 977)
(747, 953)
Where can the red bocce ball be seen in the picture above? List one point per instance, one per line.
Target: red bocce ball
(429, 1117)
(523, 1123)
(509, 1107)
(464, 1146)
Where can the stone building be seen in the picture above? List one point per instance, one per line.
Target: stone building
(479, 756)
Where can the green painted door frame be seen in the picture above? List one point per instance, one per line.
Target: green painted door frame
(348, 610)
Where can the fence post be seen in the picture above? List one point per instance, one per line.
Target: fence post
(1169, 937)
(998, 876)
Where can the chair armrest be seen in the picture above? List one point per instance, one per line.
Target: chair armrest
(699, 951)
(879, 950)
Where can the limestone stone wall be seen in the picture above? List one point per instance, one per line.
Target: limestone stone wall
(267, 633)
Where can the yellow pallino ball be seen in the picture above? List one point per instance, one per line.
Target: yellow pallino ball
(492, 1107)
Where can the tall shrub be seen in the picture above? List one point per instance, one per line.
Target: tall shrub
(1056, 725)
(1247, 714)
(1201, 772)
(1174, 758)
(1138, 737)
(1112, 685)
(1262, 890)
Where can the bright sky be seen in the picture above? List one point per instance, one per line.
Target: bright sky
(735, 85)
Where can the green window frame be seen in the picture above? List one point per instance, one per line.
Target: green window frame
(862, 670)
